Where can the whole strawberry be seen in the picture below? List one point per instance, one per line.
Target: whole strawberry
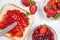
(26, 2)
(52, 2)
(43, 29)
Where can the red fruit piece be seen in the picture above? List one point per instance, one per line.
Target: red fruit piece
(26, 2)
(51, 13)
(58, 11)
(52, 2)
(58, 4)
(19, 34)
(43, 30)
(46, 9)
(33, 8)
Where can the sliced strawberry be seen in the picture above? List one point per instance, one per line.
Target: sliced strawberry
(26, 2)
(33, 8)
(43, 30)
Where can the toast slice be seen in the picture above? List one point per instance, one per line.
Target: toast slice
(11, 7)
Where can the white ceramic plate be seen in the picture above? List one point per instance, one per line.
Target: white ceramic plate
(39, 17)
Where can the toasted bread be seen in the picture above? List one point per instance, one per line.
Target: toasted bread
(11, 7)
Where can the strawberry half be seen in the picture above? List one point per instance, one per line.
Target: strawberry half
(43, 29)
(33, 9)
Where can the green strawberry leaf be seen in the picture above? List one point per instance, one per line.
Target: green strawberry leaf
(48, 6)
(56, 16)
(45, 26)
(55, 7)
(32, 2)
(57, 0)
(27, 14)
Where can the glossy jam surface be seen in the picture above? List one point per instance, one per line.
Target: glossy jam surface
(15, 16)
(47, 36)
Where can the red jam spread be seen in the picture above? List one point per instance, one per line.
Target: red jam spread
(15, 16)
(47, 36)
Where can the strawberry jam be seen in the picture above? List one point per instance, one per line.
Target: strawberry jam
(15, 16)
(47, 36)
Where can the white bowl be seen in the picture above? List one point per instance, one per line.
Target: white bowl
(41, 8)
(31, 32)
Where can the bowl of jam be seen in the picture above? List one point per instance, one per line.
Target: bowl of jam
(43, 32)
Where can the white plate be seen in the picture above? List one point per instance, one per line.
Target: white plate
(38, 17)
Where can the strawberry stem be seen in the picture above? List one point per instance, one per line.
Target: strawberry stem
(57, 0)
(27, 14)
(48, 6)
(54, 7)
(45, 26)
(56, 16)
(32, 2)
